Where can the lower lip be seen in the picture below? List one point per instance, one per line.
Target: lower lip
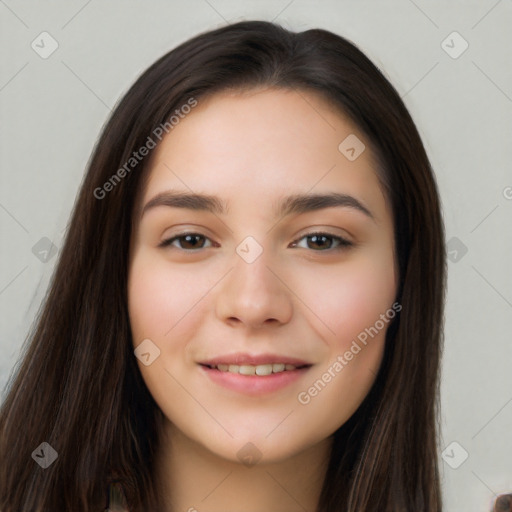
(252, 384)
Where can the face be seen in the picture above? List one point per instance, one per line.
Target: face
(293, 302)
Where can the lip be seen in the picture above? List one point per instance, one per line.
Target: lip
(254, 360)
(253, 385)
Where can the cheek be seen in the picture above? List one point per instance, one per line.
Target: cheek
(352, 308)
(350, 299)
(159, 297)
(166, 306)
(150, 301)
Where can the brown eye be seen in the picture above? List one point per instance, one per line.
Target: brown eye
(322, 242)
(187, 241)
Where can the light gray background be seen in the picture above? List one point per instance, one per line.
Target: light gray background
(52, 111)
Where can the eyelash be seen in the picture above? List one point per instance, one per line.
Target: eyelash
(343, 243)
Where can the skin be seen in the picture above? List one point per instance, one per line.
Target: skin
(308, 301)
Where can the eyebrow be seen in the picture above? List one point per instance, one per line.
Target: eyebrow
(292, 204)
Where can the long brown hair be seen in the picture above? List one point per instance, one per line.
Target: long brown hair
(78, 386)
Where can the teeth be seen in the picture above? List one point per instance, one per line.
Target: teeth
(264, 369)
(261, 369)
(247, 370)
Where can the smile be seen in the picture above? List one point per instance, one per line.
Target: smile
(253, 380)
(261, 370)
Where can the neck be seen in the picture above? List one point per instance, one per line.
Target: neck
(194, 479)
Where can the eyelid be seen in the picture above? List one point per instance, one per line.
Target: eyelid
(343, 242)
(168, 241)
(327, 230)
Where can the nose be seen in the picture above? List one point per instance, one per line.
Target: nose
(254, 294)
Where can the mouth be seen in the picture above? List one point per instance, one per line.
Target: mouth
(260, 370)
(254, 375)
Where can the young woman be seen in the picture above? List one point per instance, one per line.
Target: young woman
(247, 311)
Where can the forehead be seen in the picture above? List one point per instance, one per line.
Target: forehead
(259, 145)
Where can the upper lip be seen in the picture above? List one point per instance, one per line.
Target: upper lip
(254, 360)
